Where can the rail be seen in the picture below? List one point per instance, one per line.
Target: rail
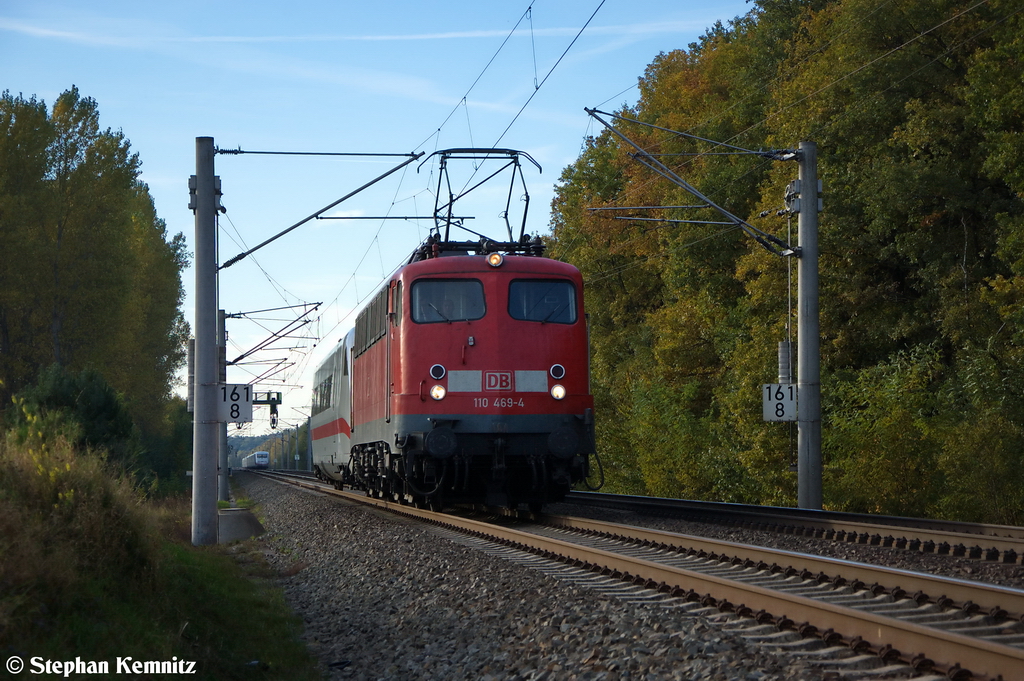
(962, 628)
(1001, 543)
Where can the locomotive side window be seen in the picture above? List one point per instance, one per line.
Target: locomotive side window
(447, 300)
(396, 304)
(372, 322)
(542, 300)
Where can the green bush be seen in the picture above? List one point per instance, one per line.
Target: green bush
(65, 517)
(83, 408)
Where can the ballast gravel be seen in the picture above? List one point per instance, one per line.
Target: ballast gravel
(382, 598)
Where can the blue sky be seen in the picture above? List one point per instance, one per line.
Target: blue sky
(381, 77)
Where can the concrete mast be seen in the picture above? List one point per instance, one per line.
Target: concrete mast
(205, 427)
(808, 341)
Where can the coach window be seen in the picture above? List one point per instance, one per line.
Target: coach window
(542, 300)
(447, 300)
(322, 395)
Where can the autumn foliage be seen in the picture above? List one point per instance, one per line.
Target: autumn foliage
(915, 109)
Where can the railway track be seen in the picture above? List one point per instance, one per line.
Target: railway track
(898, 621)
(1000, 543)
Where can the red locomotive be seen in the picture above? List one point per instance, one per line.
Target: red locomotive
(465, 380)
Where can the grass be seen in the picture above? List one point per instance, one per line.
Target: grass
(89, 569)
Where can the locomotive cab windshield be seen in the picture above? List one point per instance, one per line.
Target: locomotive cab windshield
(542, 300)
(447, 300)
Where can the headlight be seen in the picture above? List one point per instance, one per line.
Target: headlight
(558, 391)
(495, 259)
(438, 392)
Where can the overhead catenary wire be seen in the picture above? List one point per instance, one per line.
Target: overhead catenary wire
(809, 56)
(533, 47)
(537, 86)
(849, 111)
(240, 242)
(463, 102)
(527, 14)
(774, 155)
(487, 66)
(768, 241)
(240, 256)
(239, 151)
(872, 62)
(774, 81)
(858, 105)
(765, 86)
(548, 75)
(644, 259)
(352, 280)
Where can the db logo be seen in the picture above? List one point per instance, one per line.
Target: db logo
(497, 380)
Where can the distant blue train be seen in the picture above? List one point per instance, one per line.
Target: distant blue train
(256, 460)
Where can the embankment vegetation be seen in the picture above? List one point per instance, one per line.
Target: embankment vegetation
(93, 568)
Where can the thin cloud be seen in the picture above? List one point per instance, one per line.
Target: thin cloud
(627, 29)
(14, 26)
(136, 40)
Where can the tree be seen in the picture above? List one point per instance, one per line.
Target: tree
(915, 110)
(88, 278)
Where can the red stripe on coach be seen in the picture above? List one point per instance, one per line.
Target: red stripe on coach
(332, 428)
